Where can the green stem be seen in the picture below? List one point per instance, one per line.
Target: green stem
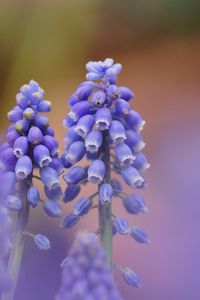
(17, 250)
(105, 210)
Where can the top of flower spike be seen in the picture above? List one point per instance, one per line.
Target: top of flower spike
(105, 70)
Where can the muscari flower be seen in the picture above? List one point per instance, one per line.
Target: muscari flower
(30, 144)
(86, 273)
(100, 118)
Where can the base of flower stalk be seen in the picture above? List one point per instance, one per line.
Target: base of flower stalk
(17, 250)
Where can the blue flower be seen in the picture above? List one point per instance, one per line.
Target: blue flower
(86, 273)
(42, 242)
(117, 132)
(139, 235)
(104, 129)
(23, 167)
(84, 125)
(94, 141)
(42, 156)
(20, 146)
(49, 177)
(52, 208)
(131, 278)
(96, 171)
(105, 193)
(33, 196)
(134, 204)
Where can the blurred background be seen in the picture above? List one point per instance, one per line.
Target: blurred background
(158, 44)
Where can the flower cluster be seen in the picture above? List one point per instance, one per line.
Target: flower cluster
(30, 144)
(86, 274)
(104, 129)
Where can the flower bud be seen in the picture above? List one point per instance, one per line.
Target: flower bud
(33, 196)
(75, 175)
(121, 226)
(139, 235)
(71, 192)
(22, 126)
(11, 136)
(71, 137)
(98, 98)
(126, 93)
(15, 114)
(70, 221)
(53, 194)
(29, 113)
(35, 135)
(42, 242)
(41, 122)
(134, 204)
(105, 193)
(131, 278)
(44, 106)
(82, 206)
(52, 208)
(122, 107)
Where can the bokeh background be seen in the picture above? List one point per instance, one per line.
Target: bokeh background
(158, 43)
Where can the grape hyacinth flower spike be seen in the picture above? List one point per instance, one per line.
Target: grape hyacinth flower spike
(104, 129)
(86, 273)
(30, 149)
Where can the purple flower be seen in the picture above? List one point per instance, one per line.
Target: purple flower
(44, 106)
(42, 156)
(42, 242)
(33, 196)
(71, 137)
(122, 107)
(79, 109)
(126, 93)
(139, 235)
(51, 144)
(75, 175)
(99, 99)
(93, 141)
(124, 154)
(75, 152)
(117, 132)
(35, 135)
(86, 274)
(20, 146)
(49, 177)
(96, 171)
(24, 167)
(134, 121)
(84, 125)
(134, 140)
(71, 192)
(140, 162)
(134, 204)
(105, 193)
(131, 278)
(121, 226)
(52, 208)
(82, 206)
(132, 177)
(70, 221)
(103, 118)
